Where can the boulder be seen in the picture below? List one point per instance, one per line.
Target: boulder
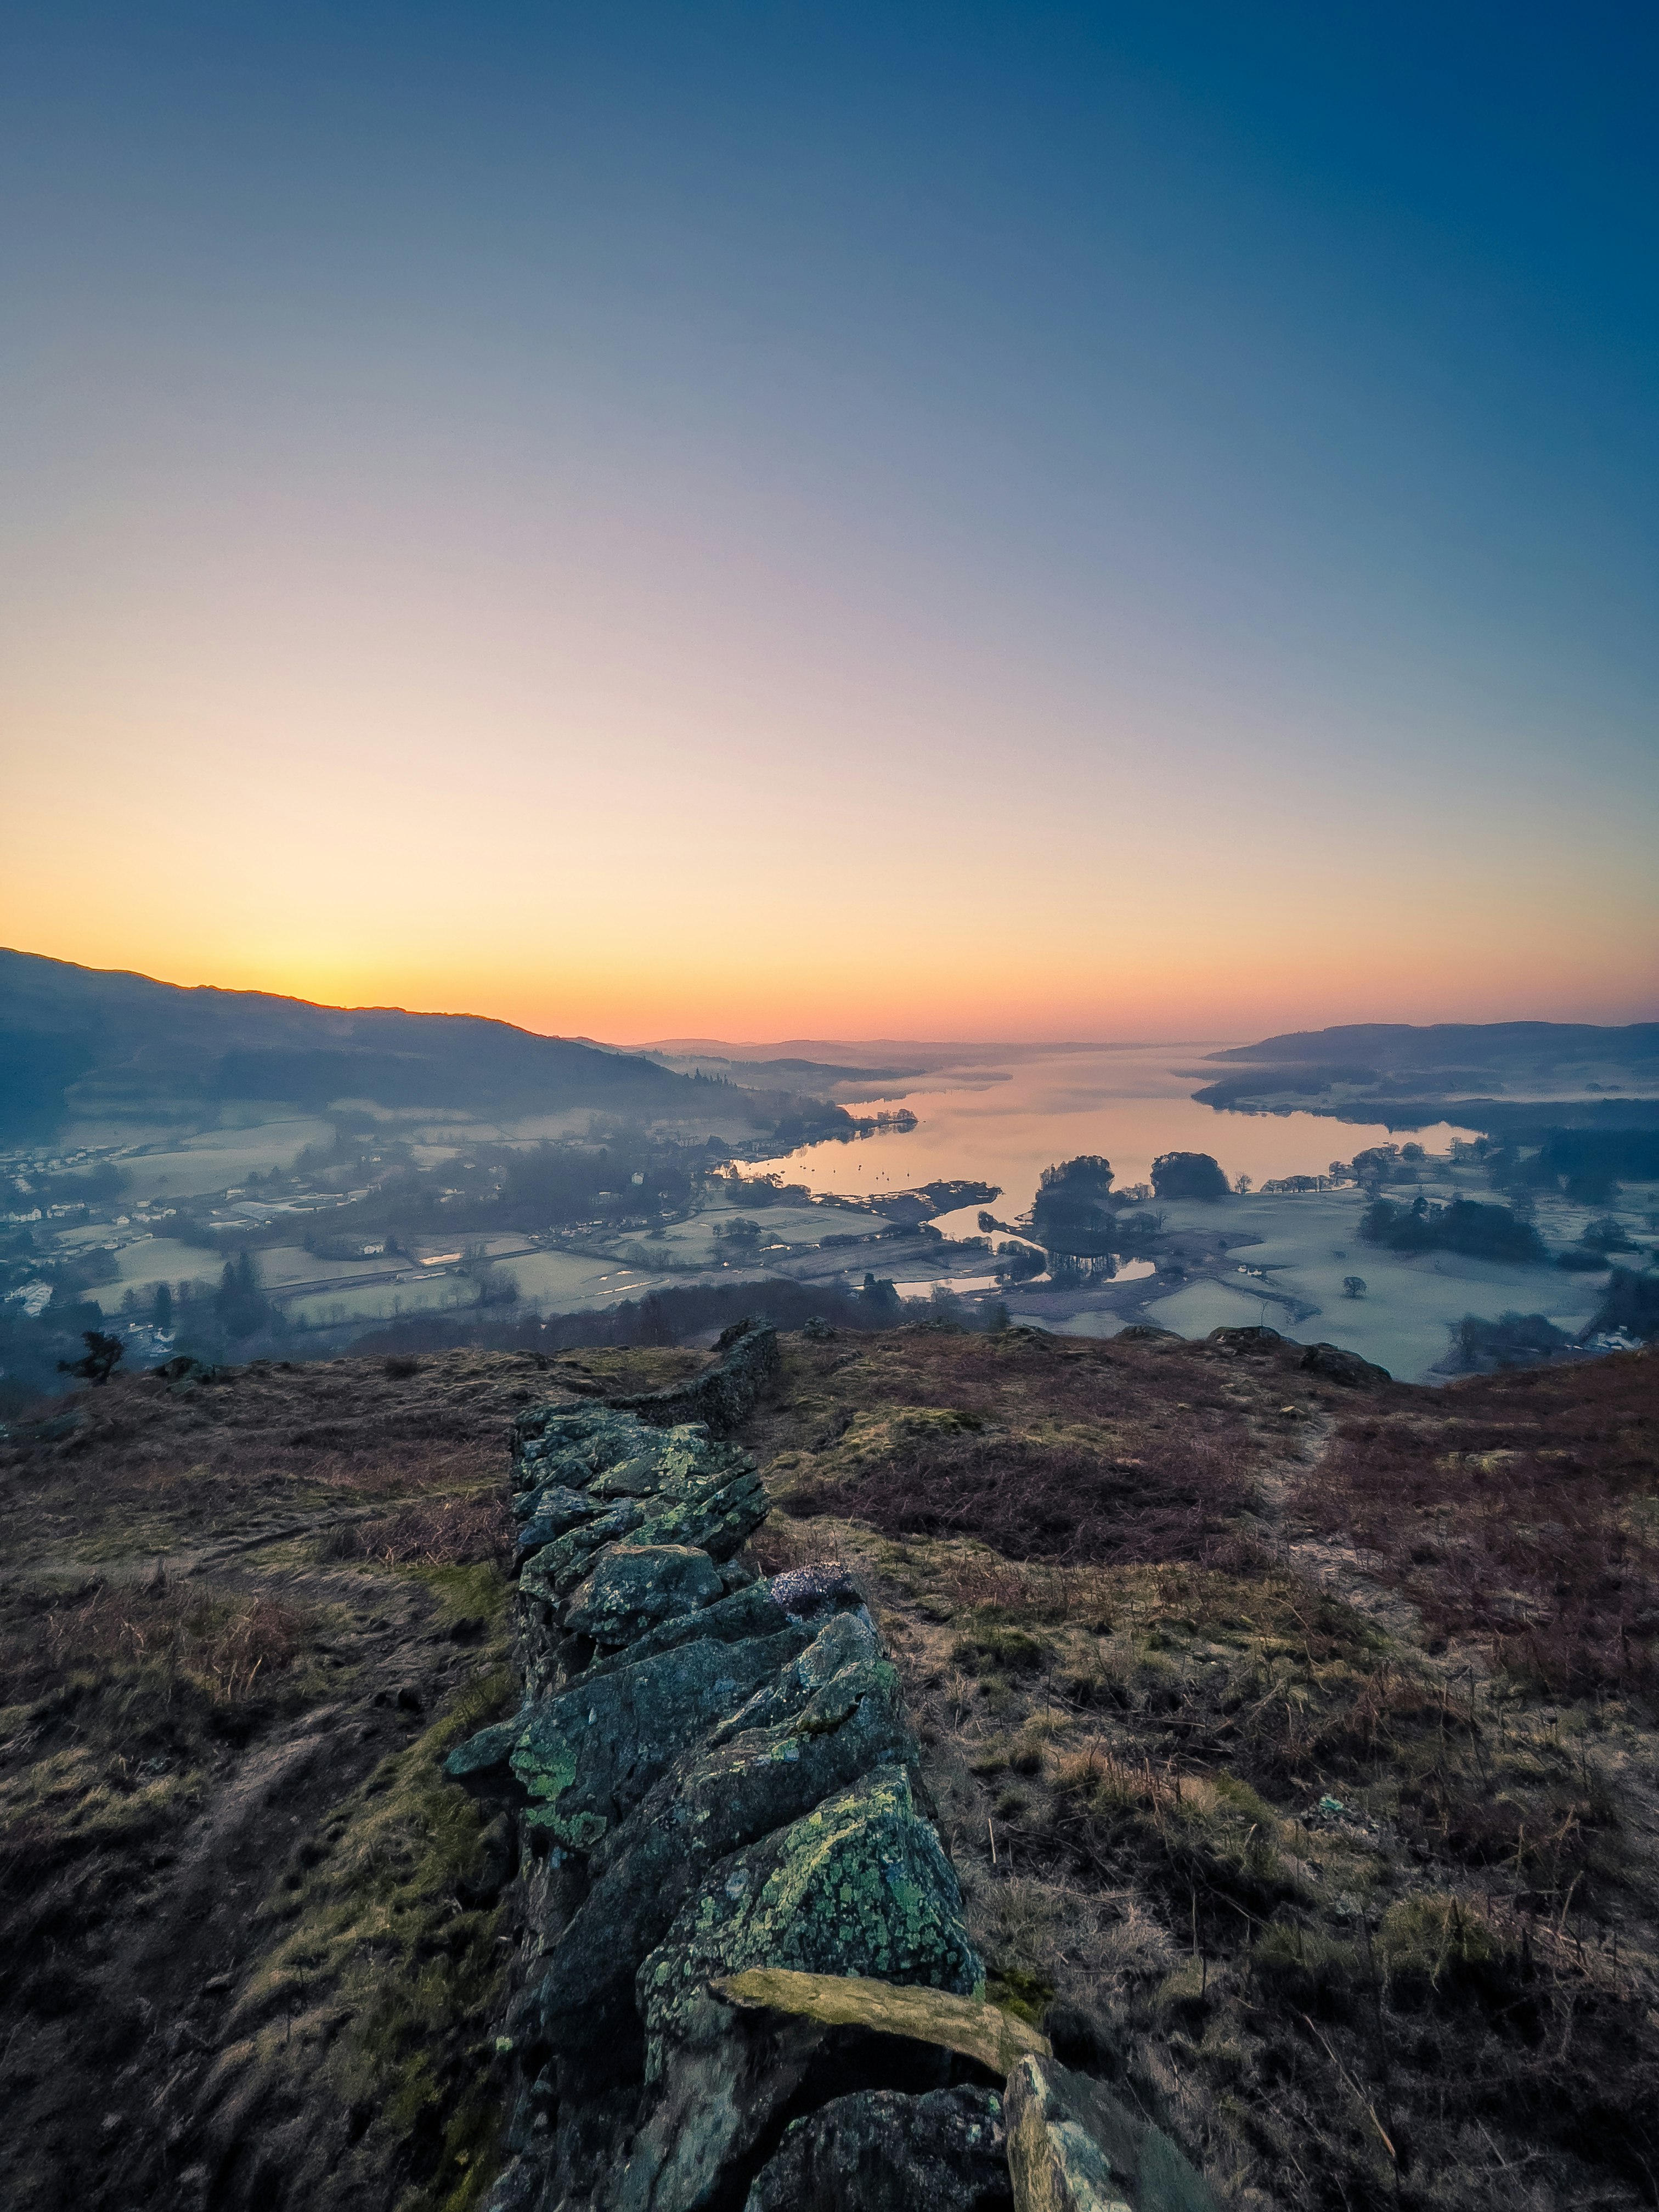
(860, 1885)
(636, 1587)
(1347, 1368)
(546, 1514)
(834, 1716)
(584, 1759)
(1073, 2147)
(751, 1611)
(943, 2152)
(1251, 1339)
(719, 1520)
(724, 1394)
(810, 1593)
(857, 1886)
(717, 1513)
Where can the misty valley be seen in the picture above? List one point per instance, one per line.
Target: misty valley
(401, 1186)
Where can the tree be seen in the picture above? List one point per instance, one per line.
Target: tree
(98, 1363)
(1187, 1175)
(1072, 1210)
(161, 1311)
(1483, 1232)
(1353, 1286)
(239, 1306)
(1089, 1174)
(1241, 1184)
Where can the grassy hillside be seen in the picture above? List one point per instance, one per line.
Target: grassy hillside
(1296, 1745)
(99, 1042)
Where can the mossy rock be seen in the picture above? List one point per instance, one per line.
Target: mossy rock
(859, 1886)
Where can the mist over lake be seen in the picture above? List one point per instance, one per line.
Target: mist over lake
(1004, 1117)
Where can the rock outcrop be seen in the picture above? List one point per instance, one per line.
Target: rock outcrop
(723, 1394)
(745, 1973)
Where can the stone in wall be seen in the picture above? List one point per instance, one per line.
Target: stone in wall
(712, 1774)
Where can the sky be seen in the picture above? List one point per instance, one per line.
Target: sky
(758, 521)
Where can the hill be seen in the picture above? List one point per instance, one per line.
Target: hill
(1294, 1742)
(1515, 1046)
(102, 1044)
(1514, 1079)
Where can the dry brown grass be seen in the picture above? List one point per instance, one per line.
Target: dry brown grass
(438, 1533)
(223, 1646)
(1520, 1509)
(1047, 1450)
(1368, 1925)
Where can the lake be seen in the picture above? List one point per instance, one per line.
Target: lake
(1005, 1121)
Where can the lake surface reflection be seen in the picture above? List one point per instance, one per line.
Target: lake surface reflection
(1004, 1120)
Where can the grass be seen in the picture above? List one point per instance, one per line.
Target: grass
(1031, 1443)
(1523, 1514)
(1367, 1916)
(234, 1887)
(369, 1922)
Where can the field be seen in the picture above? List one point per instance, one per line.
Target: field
(154, 1259)
(1309, 1243)
(222, 1158)
(369, 1301)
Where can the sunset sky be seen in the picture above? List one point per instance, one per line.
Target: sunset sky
(851, 520)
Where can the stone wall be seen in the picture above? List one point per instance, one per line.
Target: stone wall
(743, 1975)
(725, 1394)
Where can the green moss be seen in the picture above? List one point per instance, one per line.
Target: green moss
(1013, 1990)
(376, 1932)
(993, 1645)
(478, 1592)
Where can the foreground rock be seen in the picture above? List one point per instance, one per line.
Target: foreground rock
(1075, 2146)
(709, 1775)
(744, 1972)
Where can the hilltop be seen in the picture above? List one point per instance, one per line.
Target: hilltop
(102, 1045)
(1293, 1736)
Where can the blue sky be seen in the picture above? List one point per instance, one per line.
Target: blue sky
(1190, 445)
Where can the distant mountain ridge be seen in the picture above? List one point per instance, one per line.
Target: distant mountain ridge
(1518, 1080)
(1456, 1045)
(107, 1043)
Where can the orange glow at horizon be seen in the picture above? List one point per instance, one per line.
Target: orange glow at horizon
(726, 803)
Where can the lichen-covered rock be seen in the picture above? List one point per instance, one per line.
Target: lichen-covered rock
(584, 1759)
(725, 1394)
(710, 1773)
(810, 1593)
(549, 1513)
(833, 1717)
(636, 1587)
(860, 1885)
(548, 1575)
(609, 1453)
(715, 1505)
(943, 2151)
(751, 1611)
(1073, 2147)
(718, 1518)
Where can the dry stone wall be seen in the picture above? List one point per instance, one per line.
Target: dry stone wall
(710, 1774)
